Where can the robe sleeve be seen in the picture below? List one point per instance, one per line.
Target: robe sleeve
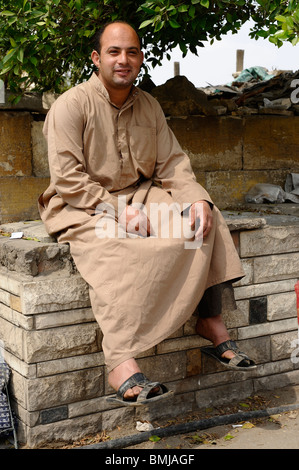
(63, 129)
(173, 168)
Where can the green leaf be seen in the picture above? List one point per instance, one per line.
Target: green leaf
(228, 437)
(192, 11)
(205, 3)
(7, 13)
(183, 8)
(154, 438)
(146, 23)
(20, 55)
(174, 24)
(195, 1)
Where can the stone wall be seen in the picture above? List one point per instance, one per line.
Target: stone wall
(24, 172)
(53, 345)
(229, 154)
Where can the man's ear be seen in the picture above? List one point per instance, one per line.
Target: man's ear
(95, 57)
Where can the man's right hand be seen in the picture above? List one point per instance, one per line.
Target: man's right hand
(135, 221)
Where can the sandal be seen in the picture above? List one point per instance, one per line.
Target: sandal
(145, 396)
(239, 362)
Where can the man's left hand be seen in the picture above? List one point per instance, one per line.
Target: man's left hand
(201, 209)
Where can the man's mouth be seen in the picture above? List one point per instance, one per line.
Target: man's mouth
(122, 72)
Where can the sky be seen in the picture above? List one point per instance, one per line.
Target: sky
(215, 63)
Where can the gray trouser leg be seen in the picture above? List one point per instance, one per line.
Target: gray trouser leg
(217, 300)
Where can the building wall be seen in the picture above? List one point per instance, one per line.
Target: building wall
(229, 155)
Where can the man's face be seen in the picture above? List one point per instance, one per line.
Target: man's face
(120, 59)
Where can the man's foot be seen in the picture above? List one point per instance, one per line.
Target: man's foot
(214, 330)
(133, 388)
(121, 373)
(225, 350)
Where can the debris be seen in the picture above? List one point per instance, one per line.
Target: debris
(144, 426)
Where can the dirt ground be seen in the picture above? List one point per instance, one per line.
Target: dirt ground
(279, 431)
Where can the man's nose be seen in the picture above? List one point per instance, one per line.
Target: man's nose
(123, 57)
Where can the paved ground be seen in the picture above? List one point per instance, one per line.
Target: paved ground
(280, 431)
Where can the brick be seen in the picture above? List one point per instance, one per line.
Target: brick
(258, 310)
(15, 148)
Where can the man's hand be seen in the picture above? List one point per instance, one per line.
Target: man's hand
(135, 221)
(201, 209)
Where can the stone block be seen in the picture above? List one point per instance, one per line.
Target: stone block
(54, 294)
(33, 258)
(56, 343)
(69, 364)
(212, 143)
(15, 149)
(68, 317)
(39, 150)
(19, 198)
(267, 288)
(67, 430)
(269, 328)
(269, 241)
(228, 188)
(282, 345)
(275, 267)
(282, 306)
(258, 310)
(270, 382)
(12, 338)
(271, 142)
(53, 414)
(53, 391)
(178, 344)
(216, 396)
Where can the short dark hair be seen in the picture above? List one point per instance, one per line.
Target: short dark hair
(98, 35)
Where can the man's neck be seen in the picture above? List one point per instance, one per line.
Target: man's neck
(118, 96)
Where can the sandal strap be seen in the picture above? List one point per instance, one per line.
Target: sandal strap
(138, 379)
(231, 345)
(228, 345)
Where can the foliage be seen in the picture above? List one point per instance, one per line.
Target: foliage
(46, 44)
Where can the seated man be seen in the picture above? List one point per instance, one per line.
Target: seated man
(112, 160)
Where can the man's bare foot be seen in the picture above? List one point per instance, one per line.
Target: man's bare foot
(121, 373)
(215, 331)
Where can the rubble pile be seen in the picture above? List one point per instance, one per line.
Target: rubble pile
(254, 91)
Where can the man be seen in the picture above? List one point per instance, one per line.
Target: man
(112, 158)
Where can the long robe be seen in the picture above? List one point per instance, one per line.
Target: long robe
(102, 158)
